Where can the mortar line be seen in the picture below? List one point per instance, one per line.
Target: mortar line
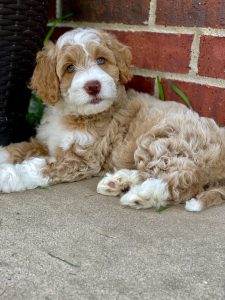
(58, 9)
(202, 80)
(152, 13)
(194, 54)
(156, 90)
(155, 29)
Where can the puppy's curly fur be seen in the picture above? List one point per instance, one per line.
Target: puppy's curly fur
(162, 151)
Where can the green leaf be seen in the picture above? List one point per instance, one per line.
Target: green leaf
(43, 187)
(181, 94)
(50, 32)
(62, 18)
(53, 23)
(162, 208)
(66, 16)
(160, 89)
(35, 110)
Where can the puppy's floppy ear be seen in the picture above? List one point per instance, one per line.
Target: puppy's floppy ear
(123, 57)
(45, 80)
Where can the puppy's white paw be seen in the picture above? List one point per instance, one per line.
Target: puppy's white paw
(20, 177)
(151, 193)
(4, 155)
(193, 205)
(9, 179)
(120, 181)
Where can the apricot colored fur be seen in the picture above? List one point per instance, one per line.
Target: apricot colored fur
(161, 139)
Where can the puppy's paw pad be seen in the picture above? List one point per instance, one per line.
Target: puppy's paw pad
(120, 181)
(193, 205)
(109, 186)
(112, 184)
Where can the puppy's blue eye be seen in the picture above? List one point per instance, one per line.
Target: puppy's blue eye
(100, 60)
(71, 69)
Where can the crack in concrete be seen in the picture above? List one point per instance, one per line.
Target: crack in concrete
(65, 261)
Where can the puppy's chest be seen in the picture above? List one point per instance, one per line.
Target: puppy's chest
(55, 135)
(78, 137)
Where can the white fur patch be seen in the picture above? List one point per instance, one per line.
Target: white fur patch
(114, 184)
(78, 36)
(151, 193)
(193, 205)
(53, 134)
(21, 177)
(79, 137)
(4, 155)
(77, 97)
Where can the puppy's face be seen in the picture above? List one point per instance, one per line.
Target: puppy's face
(83, 69)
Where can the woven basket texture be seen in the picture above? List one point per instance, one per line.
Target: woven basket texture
(22, 30)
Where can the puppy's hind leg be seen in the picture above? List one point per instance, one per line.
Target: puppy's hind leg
(150, 193)
(210, 197)
(177, 185)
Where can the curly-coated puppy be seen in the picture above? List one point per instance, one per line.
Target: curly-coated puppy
(161, 151)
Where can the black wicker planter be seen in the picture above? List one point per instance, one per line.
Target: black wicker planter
(22, 30)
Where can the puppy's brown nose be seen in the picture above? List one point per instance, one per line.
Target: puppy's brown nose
(92, 87)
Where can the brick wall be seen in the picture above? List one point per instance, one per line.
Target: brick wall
(180, 41)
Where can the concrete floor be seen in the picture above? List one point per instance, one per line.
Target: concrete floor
(67, 242)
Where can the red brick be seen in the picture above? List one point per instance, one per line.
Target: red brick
(211, 58)
(203, 13)
(206, 100)
(142, 84)
(117, 11)
(159, 51)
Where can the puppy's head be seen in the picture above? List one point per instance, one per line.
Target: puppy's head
(83, 69)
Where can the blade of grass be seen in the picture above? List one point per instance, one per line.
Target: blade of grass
(162, 208)
(66, 16)
(181, 94)
(160, 89)
(50, 31)
(53, 23)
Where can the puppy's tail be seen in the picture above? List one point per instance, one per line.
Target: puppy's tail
(210, 197)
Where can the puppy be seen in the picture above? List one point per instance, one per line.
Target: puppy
(159, 151)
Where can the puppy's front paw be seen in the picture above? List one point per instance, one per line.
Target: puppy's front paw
(151, 193)
(9, 179)
(120, 181)
(21, 177)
